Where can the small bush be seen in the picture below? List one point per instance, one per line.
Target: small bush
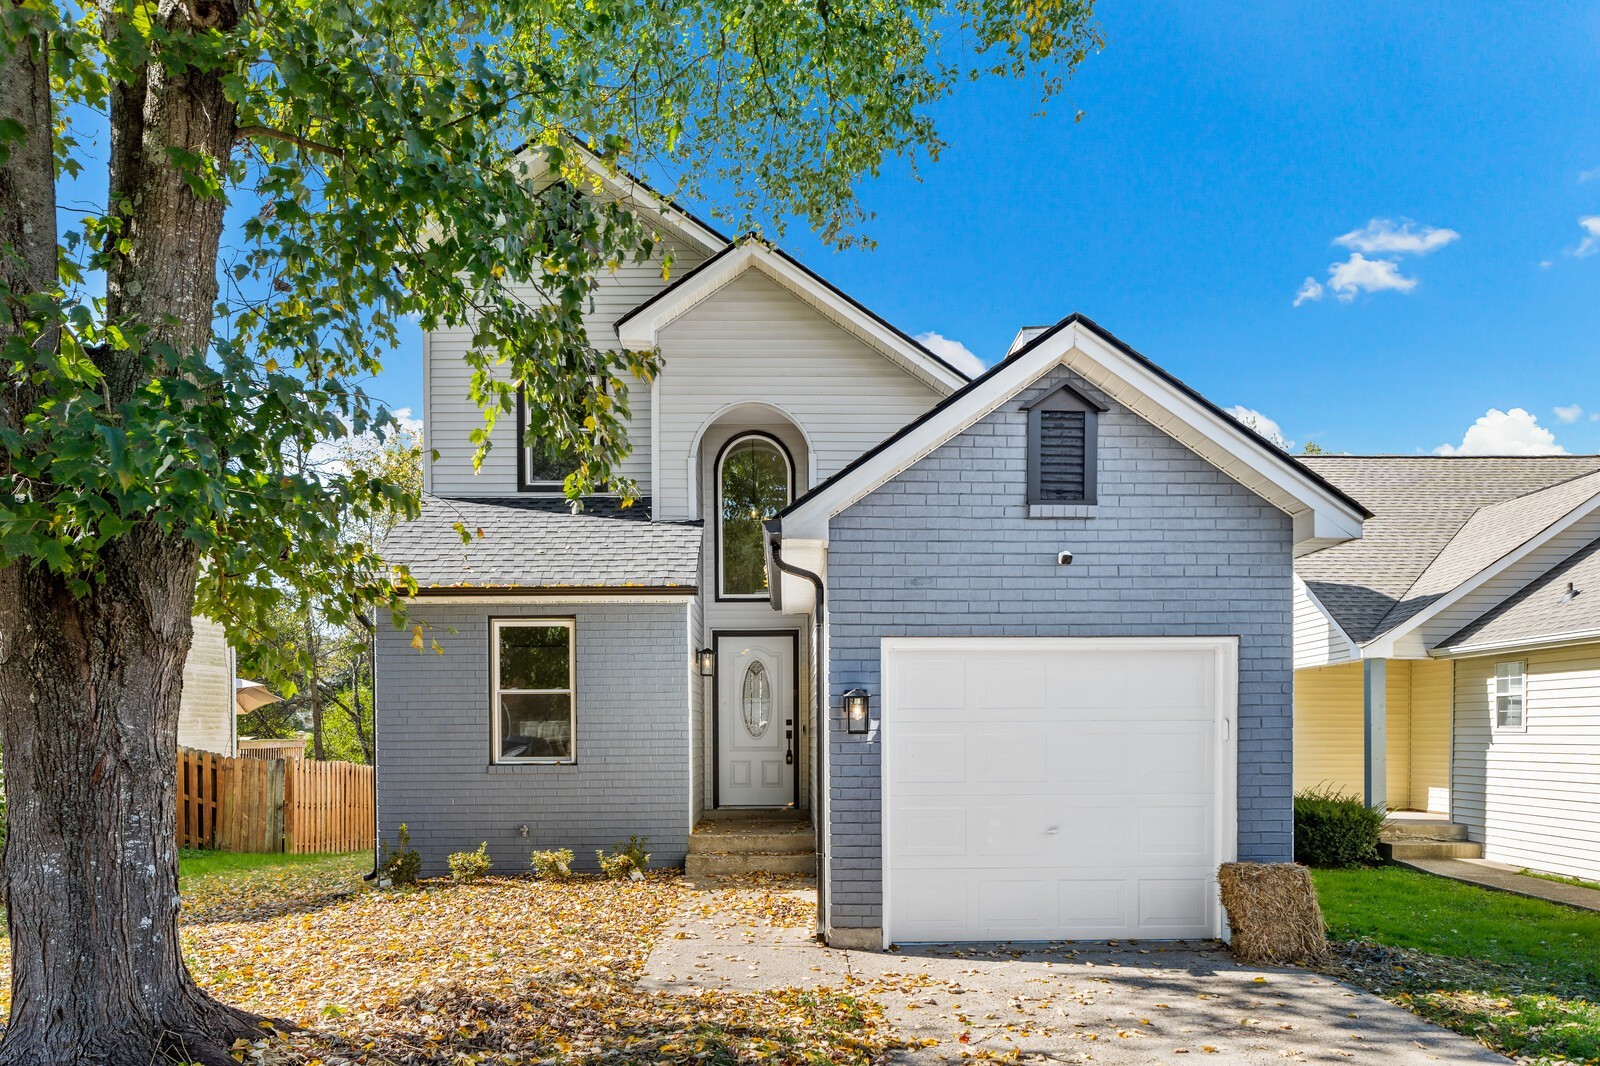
(468, 866)
(616, 865)
(555, 864)
(1334, 830)
(627, 859)
(402, 864)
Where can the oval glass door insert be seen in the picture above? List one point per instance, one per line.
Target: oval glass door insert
(756, 699)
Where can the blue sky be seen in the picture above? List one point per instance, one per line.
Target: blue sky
(1222, 151)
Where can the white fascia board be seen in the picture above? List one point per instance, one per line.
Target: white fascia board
(1352, 649)
(642, 331)
(1385, 647)
(1114, 371)
(1502, 647)
(632, 192)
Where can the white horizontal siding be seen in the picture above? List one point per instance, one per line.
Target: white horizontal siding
(754, 342)
(451, 416)
(1317, 641)
(205, 713)
(1532, 798)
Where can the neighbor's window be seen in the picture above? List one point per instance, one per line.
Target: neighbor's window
(1510, 682)
(1063, 431)
(532, 673)
(754, 481)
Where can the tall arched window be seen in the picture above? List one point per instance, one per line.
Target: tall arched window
(754, 482)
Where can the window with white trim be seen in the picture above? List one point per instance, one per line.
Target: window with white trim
(1510, 695)
(532, 674)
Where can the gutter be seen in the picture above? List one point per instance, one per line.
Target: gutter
(819, 704)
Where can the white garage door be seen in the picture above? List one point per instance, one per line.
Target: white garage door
(1044, 789)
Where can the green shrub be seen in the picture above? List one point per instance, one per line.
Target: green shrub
(402, 864)
(634, 850)
(616, 866)
(554, 864)
(1334, 830)
(467, 866)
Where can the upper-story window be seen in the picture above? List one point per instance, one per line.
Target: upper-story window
(1063, 445)
(755, 480)
(540, 467)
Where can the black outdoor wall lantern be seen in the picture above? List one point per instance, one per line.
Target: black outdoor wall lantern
(857, 710)
(706, 660)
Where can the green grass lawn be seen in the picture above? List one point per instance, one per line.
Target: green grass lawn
(1521, 975)
(225, 885)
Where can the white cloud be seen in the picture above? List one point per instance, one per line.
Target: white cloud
(1569, 413)
(1513, 432)
(1310, 289)
(1591, 236)
(1589, 175)
(955, 353)
(1262, 425)
(1401, 238)
(1359, 274)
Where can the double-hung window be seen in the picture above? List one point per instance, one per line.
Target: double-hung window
(532, 674)
(1510, 708)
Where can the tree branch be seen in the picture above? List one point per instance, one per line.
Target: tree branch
(267, 133)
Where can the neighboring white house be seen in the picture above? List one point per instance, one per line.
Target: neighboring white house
(1461, 633)
(206, 718)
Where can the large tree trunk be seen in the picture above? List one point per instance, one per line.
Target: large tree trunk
(89, 692)
(89, 685)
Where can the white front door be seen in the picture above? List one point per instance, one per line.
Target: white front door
(755, 719)
(1044, 789)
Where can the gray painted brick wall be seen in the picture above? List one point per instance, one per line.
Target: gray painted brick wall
(1175, 548)
(632, 739)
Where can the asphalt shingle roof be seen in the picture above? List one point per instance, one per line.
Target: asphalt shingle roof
(1437, 520)
(539, 543)
(1542, 610)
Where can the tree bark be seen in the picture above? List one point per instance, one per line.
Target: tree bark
(90, 685)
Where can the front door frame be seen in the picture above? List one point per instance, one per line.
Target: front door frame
(716, 706)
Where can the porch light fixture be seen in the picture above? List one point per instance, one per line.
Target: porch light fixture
(706, 660)
(857, 710)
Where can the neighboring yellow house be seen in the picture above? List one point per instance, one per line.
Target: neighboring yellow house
(206, 718)
(1449, 660)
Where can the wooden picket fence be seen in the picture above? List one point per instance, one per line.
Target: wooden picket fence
(272, 805)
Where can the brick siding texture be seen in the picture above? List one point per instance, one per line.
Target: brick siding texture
(947, 548)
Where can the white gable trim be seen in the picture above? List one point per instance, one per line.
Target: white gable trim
(641, 328)
(1389, 645)
(1321, 517)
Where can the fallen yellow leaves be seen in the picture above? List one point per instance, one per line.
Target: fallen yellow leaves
(510, 971)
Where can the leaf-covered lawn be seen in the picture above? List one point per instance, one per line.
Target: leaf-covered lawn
(1520, 975)
(508, 970)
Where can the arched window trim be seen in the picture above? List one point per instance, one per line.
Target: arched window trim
(716, 473)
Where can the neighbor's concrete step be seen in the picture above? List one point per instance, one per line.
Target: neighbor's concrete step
(1430, 849)
(1396, 831)
(733, 864)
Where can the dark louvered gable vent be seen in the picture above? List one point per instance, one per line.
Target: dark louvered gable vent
(1063, 450)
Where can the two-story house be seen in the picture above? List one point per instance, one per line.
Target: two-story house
(1018, 647)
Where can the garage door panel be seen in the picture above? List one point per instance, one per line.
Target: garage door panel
(1066, 794)
(930, 832)
(924, 758)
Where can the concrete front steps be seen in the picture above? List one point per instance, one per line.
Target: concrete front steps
(733, 841)
(1408, 835)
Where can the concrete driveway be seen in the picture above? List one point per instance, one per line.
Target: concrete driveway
(1069, 1003)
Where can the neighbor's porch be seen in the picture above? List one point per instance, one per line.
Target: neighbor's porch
(1404, 703)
